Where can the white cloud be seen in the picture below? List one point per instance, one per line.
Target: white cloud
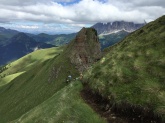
(82, 12)
(86, 11)
(28, 27)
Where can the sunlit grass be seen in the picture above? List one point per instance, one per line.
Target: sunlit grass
(9, 78)
(64, 106)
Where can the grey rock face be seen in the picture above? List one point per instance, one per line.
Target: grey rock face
(86, 49)
(116, 26)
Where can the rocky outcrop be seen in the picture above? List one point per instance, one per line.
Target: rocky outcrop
(109, 28)
(85, 49)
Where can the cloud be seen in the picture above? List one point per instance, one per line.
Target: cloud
(80, 12)
(29, 27)
(85, 11)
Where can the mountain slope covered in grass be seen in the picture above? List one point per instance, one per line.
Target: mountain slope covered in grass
(27, 62)
(64, 106)
(132, 73)
(43, 86)
(33, 87)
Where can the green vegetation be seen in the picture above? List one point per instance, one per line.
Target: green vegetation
(9, 78)
(27, 62)
(38, 90)
(64, 106)
(133, 71)
(33, 87)
(3, 68)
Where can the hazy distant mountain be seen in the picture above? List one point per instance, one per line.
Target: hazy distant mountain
(6, 34)
(111, 39)
(7, 31)
(18, 46)
(58, 40)
(61, 39)
(113, 27)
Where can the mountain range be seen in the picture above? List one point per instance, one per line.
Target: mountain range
(117, 26)
(18, 46)
(6, 34)
(79, 83)
(109, 34)
(57, 40)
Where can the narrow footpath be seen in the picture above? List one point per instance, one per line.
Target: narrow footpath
(101, 106)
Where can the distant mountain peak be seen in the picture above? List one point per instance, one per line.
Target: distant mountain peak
(2, 28)
(18, 46)
(22, 37)
(10, 31)
(113, 27)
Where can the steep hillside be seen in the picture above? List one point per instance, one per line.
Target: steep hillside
(45, 85)
(26, 63)
(131, 76)
(34, 86)
(64, 106)
(18, 46)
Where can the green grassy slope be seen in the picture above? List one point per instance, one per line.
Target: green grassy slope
(9, 78)
(27, 62)
(63, 107)
(34, 86)
(133, 71)
(43, 85)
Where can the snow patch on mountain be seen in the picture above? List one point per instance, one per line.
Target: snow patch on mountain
(117, 26)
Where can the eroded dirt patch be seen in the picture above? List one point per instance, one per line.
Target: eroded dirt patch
(118, 114)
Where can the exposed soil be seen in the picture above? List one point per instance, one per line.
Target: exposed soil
(118, 114)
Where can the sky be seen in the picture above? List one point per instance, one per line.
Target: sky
(68, 16)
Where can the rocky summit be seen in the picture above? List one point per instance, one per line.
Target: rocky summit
(85, 49)
(117, 26)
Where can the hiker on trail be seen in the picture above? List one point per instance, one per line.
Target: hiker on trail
(81, 76)
(69, 78)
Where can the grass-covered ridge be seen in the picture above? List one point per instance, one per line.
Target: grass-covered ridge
(34, 86)
(27, 62)
(133, 71)
(64, 106)
(40, 83)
